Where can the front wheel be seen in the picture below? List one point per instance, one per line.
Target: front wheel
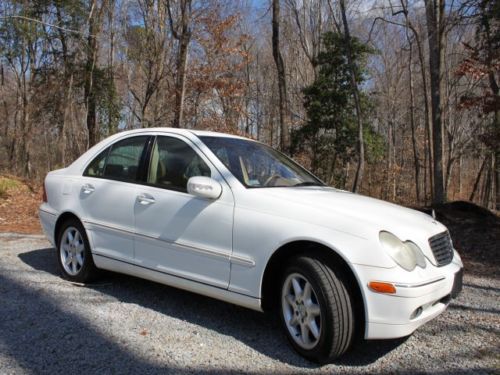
(316, 310)
(73, 250)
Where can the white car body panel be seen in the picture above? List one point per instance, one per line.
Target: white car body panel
(221, 248)
(195, 235)
(106, 214)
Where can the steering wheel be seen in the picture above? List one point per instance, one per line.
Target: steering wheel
(273, 178)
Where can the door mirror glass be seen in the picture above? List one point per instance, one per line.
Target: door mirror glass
(204, 187)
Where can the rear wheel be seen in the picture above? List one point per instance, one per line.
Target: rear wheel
(316, 309)
(73, 250)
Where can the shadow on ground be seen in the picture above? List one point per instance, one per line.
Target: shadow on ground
(259, 331)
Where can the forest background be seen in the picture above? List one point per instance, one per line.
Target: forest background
(396, 99)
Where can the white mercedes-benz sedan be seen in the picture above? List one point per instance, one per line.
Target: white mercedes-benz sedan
(233, 219)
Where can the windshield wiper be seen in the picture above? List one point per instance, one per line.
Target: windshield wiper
(307, 183)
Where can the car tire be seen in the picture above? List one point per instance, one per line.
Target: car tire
(73, 253)
(319, 323)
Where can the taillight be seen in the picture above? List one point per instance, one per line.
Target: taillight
(44, 194)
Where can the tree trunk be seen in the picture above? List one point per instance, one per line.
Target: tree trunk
(428, 157)
(90, 97)
(427, 116)
(389, 166)
(25, 149)
(496, 152)
(494, 87)
(434, 10)
(496, 172)
(355, 92)
(485, 196)
(180, 82)
(111, 68)
(460, 180)
(478, 178)
(416, 156)
(182, 32)
(280, 67)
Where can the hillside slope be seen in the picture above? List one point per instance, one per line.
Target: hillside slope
(19, 201)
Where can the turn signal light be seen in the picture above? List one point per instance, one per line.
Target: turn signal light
(380, 287)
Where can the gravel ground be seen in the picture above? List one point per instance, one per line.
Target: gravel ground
(126, 325)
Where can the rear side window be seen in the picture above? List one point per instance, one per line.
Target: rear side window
(96, 167)
(119, 162)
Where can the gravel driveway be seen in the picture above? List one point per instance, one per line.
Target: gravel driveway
(126, 325)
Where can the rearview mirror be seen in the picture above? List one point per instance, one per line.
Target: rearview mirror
(204, 187)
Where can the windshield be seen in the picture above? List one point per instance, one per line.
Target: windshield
(257, 165)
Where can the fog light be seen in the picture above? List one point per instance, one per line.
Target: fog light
(416, 313)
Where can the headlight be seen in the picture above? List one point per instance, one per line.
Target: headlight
(418, 253)
(406, 254)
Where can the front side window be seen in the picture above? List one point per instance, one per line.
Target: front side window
(257, 165)
(173, 162)
(120, 161)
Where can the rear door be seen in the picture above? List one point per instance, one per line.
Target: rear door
(107, 196)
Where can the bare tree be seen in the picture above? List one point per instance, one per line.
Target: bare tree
(280, 67)
(95, 13)
(427, 111)
(71, 72)
(416, 156)
(357, 103)
(434, 10)
(181, 30)
(311, 22)
(149, 66)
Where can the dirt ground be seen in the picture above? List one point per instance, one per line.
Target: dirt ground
(121, 324)
(19, 203)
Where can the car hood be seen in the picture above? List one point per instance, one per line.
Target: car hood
(360, 215)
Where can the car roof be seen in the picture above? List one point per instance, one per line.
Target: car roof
(78, 165)
(198, 133)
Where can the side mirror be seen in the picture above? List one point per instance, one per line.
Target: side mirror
(204, 187)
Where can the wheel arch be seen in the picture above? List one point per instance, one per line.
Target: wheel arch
(60, 220)
(277, 263)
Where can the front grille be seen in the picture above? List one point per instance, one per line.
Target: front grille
(442, 248)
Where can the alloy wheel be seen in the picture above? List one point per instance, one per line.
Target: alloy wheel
(301, 311)
(72, 251)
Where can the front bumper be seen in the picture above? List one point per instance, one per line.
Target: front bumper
(420, 296)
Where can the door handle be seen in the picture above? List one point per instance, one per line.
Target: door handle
(145, 199)
(88, 189)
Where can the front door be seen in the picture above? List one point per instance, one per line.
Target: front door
(177, 233)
